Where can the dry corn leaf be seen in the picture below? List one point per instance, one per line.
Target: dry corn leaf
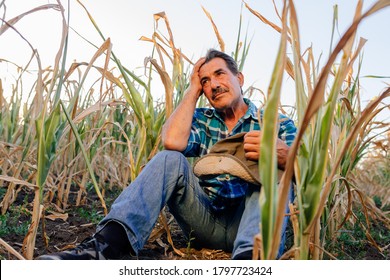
(163, 220)
(219, 37)
(10, 249)
(17, 181)
(96, 107)
(14, 20)
(167, 85)
(54, 215)
(266, 21)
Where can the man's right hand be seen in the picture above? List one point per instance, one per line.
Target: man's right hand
(195, 85)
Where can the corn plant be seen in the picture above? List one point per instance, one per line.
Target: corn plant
(149, 119)
(309, 154)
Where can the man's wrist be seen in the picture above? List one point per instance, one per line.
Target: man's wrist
(193, 93)
(282, 154)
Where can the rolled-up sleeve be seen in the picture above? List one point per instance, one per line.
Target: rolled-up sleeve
(193, 144)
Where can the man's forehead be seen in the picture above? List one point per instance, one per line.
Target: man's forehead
(212, 65)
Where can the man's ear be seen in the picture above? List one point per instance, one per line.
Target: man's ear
(240, 77)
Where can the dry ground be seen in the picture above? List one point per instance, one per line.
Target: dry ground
(79, 222)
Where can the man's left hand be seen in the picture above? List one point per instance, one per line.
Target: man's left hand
(252, 142)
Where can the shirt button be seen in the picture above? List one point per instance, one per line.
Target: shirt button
(227, 176)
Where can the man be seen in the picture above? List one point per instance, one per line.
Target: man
(219, 212)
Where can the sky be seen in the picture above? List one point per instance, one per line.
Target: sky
(125, 21)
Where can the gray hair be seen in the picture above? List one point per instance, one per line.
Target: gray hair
(230, 62)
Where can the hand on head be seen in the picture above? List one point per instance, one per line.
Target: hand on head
(195, 80)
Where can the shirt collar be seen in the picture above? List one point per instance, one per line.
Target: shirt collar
(250, 113)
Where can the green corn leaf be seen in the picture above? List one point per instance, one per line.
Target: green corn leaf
(48, 132)
(268, 160)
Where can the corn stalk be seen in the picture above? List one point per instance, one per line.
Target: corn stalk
(311, 195)
(268, 160)
(48, 131)
(311, 146)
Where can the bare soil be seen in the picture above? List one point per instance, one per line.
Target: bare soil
(66, 230)
(79, 222)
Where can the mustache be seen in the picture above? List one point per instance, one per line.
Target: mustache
(218, 90)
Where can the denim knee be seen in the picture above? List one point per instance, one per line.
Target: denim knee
(168, 156)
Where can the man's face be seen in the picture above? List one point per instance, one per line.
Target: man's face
(221, 87)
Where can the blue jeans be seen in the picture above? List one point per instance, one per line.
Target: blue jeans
(168, 179)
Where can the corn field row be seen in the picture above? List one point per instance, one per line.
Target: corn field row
(98, 136)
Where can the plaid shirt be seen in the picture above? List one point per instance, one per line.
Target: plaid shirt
(208, 128)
